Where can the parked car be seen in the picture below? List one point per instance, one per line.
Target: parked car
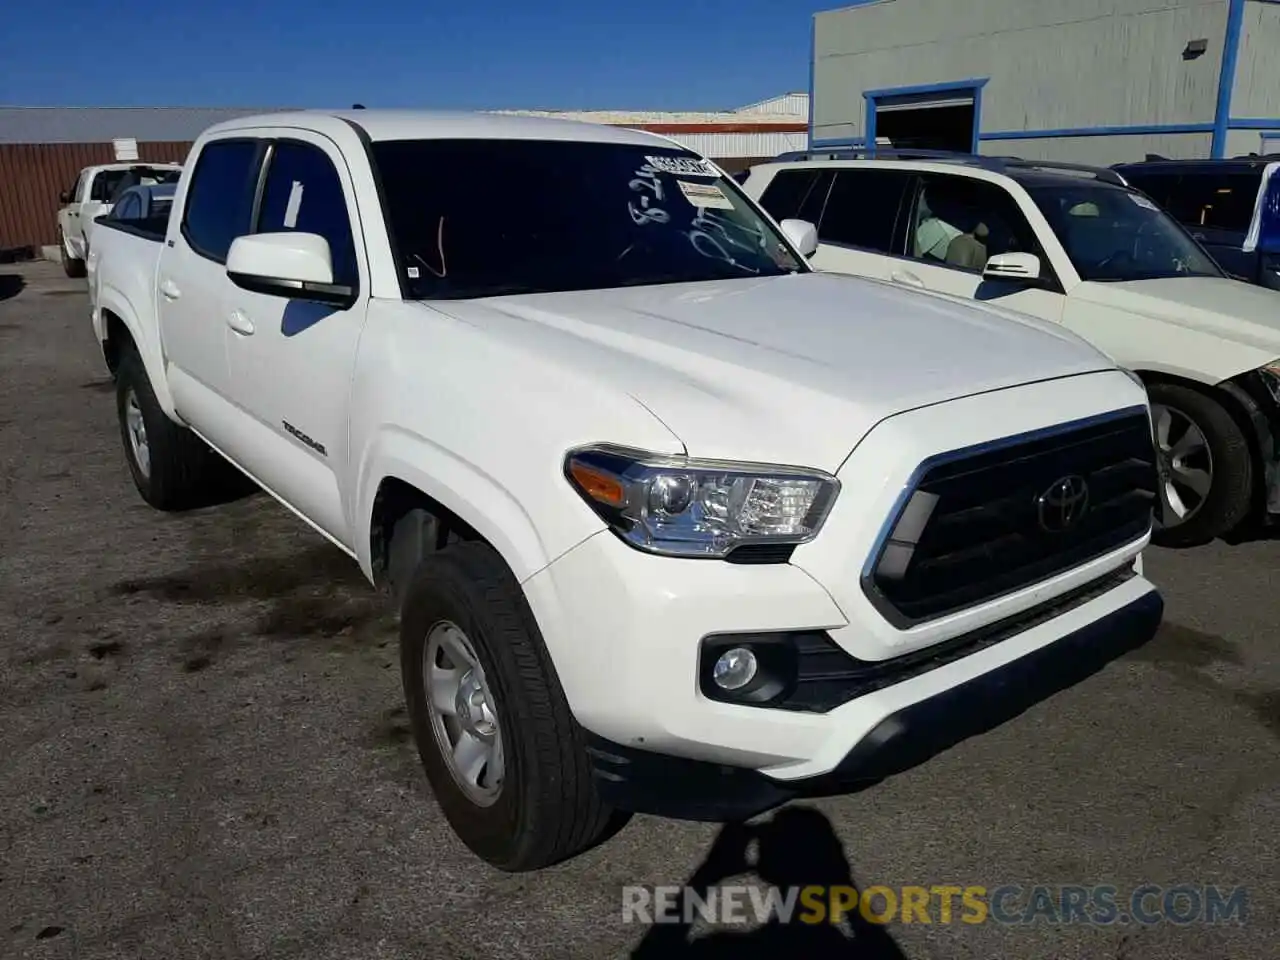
(1075, 246)
(91, 196)
(1216, 200)
(676, 523)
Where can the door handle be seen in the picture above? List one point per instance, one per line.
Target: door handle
(169, 290)
(907, 279)
(241, 324)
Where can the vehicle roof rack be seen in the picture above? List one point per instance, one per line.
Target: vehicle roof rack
(1053, 166)
(994, 164)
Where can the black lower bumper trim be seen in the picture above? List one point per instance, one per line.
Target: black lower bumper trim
(646, 782)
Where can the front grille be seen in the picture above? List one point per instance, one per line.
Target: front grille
(988, 521)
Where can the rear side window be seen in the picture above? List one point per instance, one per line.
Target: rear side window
(303, 193)
(797, 194)
(1215, 201)
(220, 199)
(863, 209)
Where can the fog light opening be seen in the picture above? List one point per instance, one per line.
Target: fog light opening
(735, 668)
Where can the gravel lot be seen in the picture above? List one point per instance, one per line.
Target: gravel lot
(203, 754)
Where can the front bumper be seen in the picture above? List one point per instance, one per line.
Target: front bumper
(624, 630)
(648, 782)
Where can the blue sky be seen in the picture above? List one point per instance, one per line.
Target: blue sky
(556, 54)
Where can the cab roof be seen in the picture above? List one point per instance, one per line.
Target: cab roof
(446, 125)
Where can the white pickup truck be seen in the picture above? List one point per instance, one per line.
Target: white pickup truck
(92, 196)
(676, 524)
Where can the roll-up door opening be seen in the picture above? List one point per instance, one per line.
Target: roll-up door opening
(927, 122)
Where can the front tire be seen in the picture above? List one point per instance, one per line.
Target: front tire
(172, 468)
(1205, 466)
(505, 758)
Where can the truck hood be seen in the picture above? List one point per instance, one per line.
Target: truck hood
(1238, 312)
(794, 369)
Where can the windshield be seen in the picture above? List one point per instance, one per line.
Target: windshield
(1111, 233)
(479, 218)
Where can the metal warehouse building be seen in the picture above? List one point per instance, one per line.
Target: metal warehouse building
(43, 149)
(1095, 81)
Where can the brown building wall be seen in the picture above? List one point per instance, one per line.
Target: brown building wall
(32, 175)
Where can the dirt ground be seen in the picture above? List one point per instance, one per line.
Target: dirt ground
(203, 752)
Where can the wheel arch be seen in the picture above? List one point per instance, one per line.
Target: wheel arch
(445, 499)
(119, 328)
(1234, 397)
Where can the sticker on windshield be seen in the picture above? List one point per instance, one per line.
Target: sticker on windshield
(705, 195)
(293, 206)
(1142, 201)
(683, 166)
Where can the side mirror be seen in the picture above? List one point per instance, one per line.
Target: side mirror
(64, 197)
(802, 234)
(1012, 266)
(294, 265)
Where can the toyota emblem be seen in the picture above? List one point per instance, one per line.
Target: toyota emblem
(1063, 505)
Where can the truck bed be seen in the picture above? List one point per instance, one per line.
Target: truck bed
(152, 228)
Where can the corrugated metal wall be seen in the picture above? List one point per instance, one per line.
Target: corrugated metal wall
(33, 174)
(1257, 92)
(1103, 151)
(1052, 64)
(791, 104)
(726, 146)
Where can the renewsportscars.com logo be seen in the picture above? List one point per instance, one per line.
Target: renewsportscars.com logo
(1010, 904)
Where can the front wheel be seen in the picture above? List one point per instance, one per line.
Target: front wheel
(1205, 467)
(505, 758)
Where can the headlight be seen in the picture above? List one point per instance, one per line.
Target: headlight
(1270, 375)
(699, 508)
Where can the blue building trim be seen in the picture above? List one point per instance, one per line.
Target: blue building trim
(1136, 130)
(1119, 131)
(1227, 78)
(973, 85)
(836, 143)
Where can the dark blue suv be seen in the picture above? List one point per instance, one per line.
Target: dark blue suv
(1215, 200)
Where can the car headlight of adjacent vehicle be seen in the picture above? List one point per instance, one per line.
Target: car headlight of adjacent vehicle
(1269, 373)
(681, 507)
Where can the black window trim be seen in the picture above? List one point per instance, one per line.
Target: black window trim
(896, 240)
(1051, 283)
(265, 153)
(818, 175)
(822, 210)
(183, 228)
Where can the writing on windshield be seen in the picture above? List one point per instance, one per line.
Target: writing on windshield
(474, 218)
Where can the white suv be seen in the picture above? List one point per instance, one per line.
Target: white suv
(1077, 246)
